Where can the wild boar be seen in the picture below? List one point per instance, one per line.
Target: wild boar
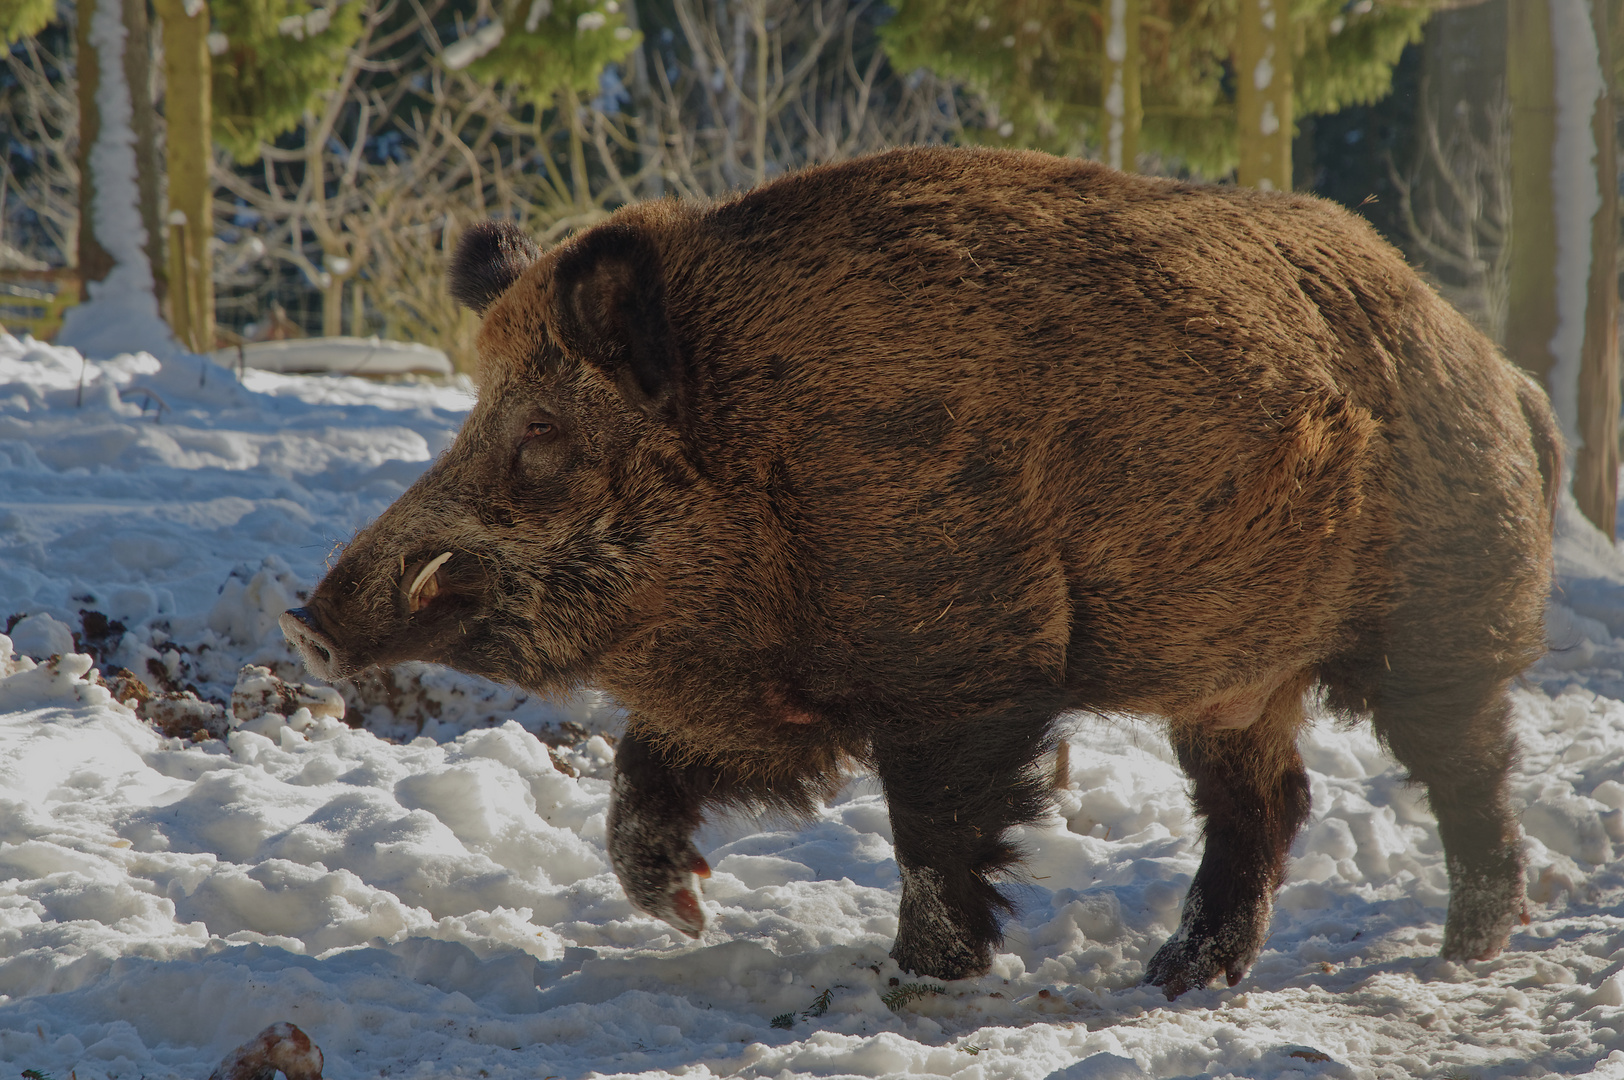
(893, 462)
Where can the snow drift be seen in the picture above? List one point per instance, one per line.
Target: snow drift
(428, 893)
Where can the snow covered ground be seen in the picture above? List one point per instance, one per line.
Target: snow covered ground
(428, 895)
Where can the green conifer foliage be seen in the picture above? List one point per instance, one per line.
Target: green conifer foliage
(1042, 63)
(278, 54)
(1347, 57)
(24, 18)
(551, 47)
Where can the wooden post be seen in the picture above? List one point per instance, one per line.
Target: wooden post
(1561, 323)
(181, 293)
(1265, 49)
(332, 302)
(1124, 113)
(357, 309)
(190, 149)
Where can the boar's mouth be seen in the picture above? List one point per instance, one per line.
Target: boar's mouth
(317, 630)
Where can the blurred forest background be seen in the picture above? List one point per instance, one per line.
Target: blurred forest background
(303, 167)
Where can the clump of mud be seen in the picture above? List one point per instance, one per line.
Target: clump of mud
(203, 678)
(180, 714)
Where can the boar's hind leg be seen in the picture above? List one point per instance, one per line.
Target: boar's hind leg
(1458, 742)
(952, 799)
(1251, 787)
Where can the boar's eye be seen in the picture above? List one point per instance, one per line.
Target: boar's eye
(536, 450)
(540, 429)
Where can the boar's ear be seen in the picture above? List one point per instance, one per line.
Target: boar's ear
(489, 257)
(609, 310)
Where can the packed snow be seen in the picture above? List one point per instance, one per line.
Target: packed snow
(122, 312)
(195, 845)
(337, 355)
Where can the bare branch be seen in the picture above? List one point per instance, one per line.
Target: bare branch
(1456, 204)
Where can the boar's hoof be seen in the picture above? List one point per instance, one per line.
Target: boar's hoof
(671, 894)
(663, 884)
(947, 960)
(936, 936)
(1189, 961)
(1212, 940)
(1485, 904)
(1183, 965)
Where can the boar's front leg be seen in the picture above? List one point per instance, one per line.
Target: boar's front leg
(653, 812)
(953, 795)
(1251, 787)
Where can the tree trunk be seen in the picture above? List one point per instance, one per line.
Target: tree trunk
(144, 122)
(94, 261)
(1123, 112)
(1562, 311)
(758, 23)
(1595, 467)
(189, 149)
(1264, 51)
(118, 191)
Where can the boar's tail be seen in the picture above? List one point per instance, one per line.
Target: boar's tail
(1536, 408)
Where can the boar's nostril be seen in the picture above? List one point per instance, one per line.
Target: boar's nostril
(299, 623)
(300, 627)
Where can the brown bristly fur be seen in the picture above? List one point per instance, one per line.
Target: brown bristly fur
(899, 459)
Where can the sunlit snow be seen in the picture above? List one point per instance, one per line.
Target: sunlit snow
(429, 895)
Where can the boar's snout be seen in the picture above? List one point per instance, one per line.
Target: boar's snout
(321, 654)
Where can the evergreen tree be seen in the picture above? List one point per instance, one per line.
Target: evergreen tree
(24, 18)
(552, 52)
(548, 48)
(271, 58)
(1043, 63)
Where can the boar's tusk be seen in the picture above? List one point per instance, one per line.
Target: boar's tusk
(422, 578)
